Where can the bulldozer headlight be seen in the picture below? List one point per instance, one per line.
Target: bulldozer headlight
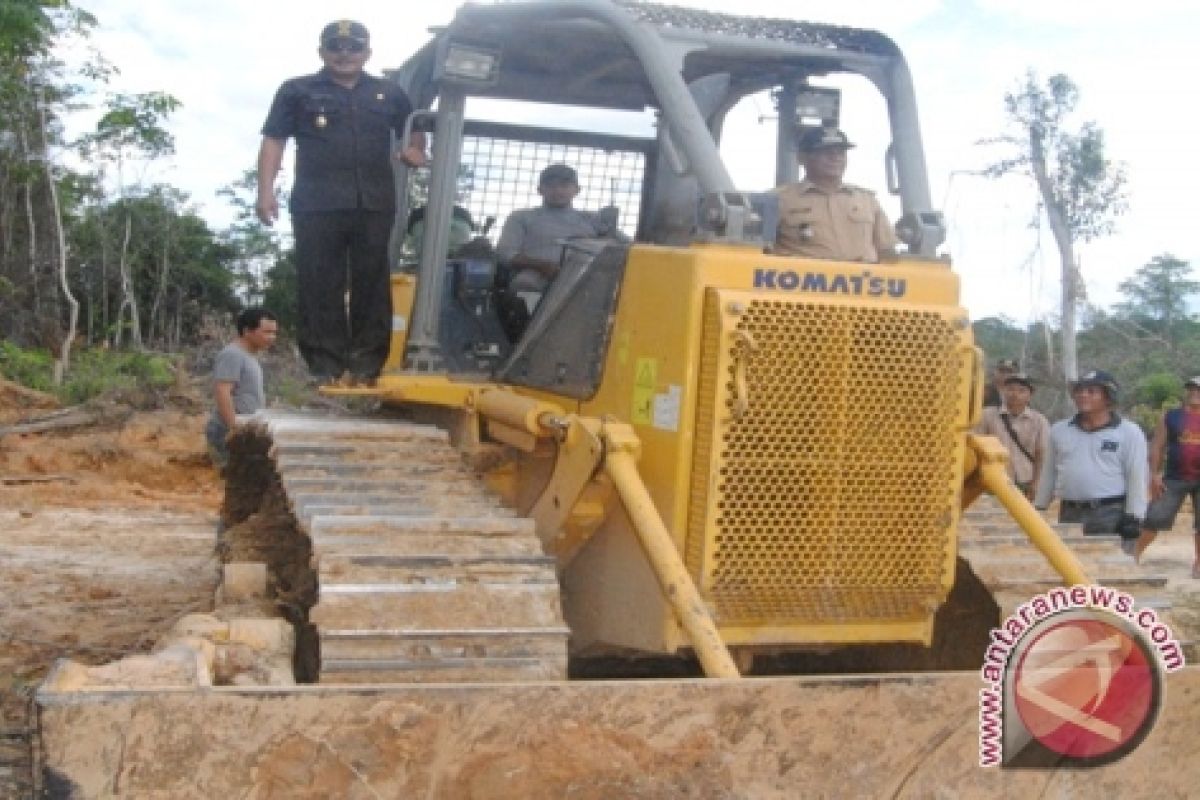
(470, 64)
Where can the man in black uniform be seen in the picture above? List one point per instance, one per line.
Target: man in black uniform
(343, 202)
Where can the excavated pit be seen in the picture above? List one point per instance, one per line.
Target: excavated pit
(257, 526)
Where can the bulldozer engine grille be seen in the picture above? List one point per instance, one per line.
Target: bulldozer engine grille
(826, 460)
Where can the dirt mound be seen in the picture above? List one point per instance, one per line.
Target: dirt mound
(151, 459)
(17, 401)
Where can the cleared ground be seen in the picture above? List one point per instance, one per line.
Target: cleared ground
(106, 538)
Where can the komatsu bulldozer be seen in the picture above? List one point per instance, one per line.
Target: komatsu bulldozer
(687, 455)
(724, 451)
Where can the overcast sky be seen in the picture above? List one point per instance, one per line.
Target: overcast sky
(1133, 62)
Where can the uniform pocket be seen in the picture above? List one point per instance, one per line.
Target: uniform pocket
(798, 214)
(318, 113)
(861, 214)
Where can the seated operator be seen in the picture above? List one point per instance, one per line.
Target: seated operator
(822, 217)
(530, 243)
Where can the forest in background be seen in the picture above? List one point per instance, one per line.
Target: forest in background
(92, 258)
(117, 271)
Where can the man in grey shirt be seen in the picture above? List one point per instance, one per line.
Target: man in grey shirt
(1099, 460)
(531, 241)
(238, 379)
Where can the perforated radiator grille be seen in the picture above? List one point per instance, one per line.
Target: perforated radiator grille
(825, 461)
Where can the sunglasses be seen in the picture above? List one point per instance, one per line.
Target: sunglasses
(344, 46)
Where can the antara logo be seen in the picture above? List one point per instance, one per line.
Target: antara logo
(865, 284)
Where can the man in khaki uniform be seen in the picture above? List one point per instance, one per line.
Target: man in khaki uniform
(1022, 430)
(822, 217)
(993, 393)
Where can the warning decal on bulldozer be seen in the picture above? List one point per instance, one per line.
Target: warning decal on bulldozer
(644, 380)
(666, 408)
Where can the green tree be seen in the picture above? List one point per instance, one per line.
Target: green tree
(1157, 296)
(35, 91)
(282, 292)
(131, 129)
(259, 248)
(1081, 190)
(999, 337)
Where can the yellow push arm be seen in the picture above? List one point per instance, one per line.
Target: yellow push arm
(991, 458)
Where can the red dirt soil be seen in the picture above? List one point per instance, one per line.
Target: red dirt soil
(106, 538)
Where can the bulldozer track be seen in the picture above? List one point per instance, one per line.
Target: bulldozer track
(17, 736)
(1013, 570)
(422, 574)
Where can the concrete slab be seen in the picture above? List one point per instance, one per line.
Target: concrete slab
(878, 736)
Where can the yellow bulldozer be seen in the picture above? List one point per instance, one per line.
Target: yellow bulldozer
(723, 450)
(693, 456)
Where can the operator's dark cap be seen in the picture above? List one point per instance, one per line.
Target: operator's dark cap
(822, 138)
(1098, 377)
(1192, 383)
(1021, 378)
(558, 172)
(1008, 364)
(345, 29)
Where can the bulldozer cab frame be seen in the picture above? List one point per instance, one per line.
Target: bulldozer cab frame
(689, 68)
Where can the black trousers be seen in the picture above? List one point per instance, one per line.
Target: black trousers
(336, 250)
(1100, 519)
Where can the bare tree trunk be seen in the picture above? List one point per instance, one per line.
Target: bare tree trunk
(161, 291)
(1057, 217)
(31, 223)
(1070, 311)
(177, 337)
(5, 218)
(118, 321)
(128, 298)
(104, 321)
(63, 362)
(91, 317)
(1049, 348)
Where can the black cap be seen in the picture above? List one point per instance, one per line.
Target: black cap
(1098, 377)
(558, 172)
(822, 138)
(1009, 364)
(345, 29)
(1021, 378)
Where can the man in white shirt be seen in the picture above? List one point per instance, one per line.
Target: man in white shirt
(1100, 461)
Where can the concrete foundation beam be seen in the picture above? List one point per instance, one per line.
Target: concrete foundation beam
(879, 736)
